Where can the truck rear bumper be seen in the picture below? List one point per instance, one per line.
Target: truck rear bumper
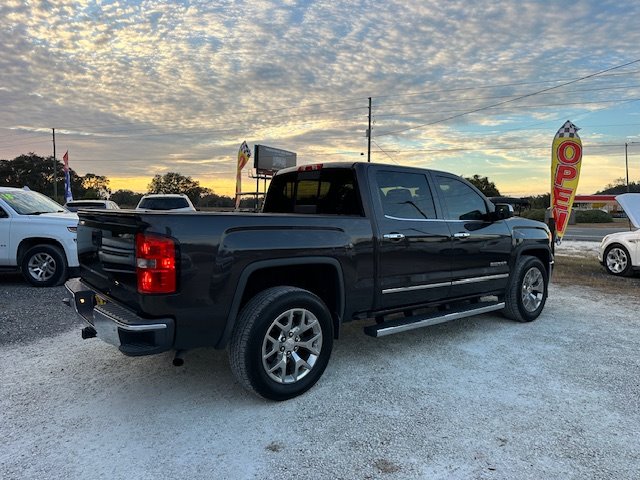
(133, 335)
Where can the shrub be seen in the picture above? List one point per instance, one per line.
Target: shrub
(593, 216)
(534, 214)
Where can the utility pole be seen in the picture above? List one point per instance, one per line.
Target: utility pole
(369, 134)
(626, 163)
(55, 164)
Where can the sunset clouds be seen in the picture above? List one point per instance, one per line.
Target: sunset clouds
(145, 87)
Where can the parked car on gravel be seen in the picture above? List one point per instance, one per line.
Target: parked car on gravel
(176, 202)
(620, 252)
(402, 247)
(37, 236)
(75, 205)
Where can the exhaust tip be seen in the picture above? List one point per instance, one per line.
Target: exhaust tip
(178, 359)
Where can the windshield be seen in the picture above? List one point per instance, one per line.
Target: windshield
(30, 203)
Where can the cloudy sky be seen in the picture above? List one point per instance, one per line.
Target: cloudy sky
(137, 88)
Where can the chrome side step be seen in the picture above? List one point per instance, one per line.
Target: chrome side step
(411, 323)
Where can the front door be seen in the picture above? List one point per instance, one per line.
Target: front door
(413, 265)
(480, 248)
(5, 235)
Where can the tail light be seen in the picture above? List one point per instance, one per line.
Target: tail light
(155, 264)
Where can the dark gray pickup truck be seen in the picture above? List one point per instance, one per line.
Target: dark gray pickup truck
(403, 247)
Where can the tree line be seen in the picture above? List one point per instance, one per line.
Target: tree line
(37, 173)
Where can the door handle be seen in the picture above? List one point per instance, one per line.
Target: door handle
(461, 235)
(393, 236)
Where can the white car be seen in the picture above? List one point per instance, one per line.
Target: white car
(37, 236)
(620, 252)
(75, 205)
(176, 202)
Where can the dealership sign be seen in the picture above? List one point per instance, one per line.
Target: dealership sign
(566, 158)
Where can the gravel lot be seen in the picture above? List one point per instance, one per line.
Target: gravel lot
(476, 398)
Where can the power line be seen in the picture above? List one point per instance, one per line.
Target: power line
(487, 107)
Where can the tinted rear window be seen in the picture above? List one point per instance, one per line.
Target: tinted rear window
(163, 203)
(327, 192)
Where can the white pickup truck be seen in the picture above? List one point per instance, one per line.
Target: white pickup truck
(37, 236)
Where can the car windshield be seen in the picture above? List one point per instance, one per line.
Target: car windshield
(163, 203)
(26, 202)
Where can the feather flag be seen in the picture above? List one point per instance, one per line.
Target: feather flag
(68, 196)
(566, 159)
(243, 158)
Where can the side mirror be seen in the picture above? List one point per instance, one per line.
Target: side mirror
(502, 211)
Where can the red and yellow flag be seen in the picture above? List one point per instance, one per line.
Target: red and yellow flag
(566, 159)
(243, 157)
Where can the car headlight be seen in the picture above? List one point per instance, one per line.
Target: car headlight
(72, 229)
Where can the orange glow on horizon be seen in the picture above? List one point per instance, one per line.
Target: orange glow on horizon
(221, 186)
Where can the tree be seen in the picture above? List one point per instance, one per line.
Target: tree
(126, 198)
(36, 172)
(484, 185)
(539, 201)
(619, 186)
(95, 185)
(175, 183)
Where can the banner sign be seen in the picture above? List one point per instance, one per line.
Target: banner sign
(67, 179)
(243, 158)
(566, 158)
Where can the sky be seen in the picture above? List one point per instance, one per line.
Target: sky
(139, 88)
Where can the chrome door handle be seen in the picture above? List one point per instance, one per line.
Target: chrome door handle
(461, 235)
(393, 236)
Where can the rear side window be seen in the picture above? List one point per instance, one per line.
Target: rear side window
(405, 195)
(326, 192)
(461, 201)
(167, 203)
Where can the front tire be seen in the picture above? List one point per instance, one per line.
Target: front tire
(281, 343)
(527, 291)
(44, 266)
(617, 260)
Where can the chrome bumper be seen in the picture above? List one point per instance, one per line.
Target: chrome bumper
(133, 335)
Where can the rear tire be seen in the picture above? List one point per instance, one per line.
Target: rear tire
(44, 266)
(281, 342)
(527, 291)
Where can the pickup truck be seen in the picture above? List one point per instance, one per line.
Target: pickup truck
(401, 247)
(37, 236)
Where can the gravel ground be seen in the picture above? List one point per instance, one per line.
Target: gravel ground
(476, 398)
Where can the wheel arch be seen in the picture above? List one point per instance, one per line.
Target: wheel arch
(319, 271)
(542, 254)
(30, 242)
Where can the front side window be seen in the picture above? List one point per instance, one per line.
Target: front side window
(461, 201)
(405, 195)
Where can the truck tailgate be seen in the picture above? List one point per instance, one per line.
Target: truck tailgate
(107, 253)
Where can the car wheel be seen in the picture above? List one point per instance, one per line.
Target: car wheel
(617, 260)
(44, 266)
(527, 291)
(281, 343)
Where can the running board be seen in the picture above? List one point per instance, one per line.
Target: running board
(411, 323)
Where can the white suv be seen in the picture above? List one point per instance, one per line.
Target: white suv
(38, 236)
(176, 202)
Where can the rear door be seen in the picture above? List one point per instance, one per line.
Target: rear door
(413, 265)
(480, 248)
